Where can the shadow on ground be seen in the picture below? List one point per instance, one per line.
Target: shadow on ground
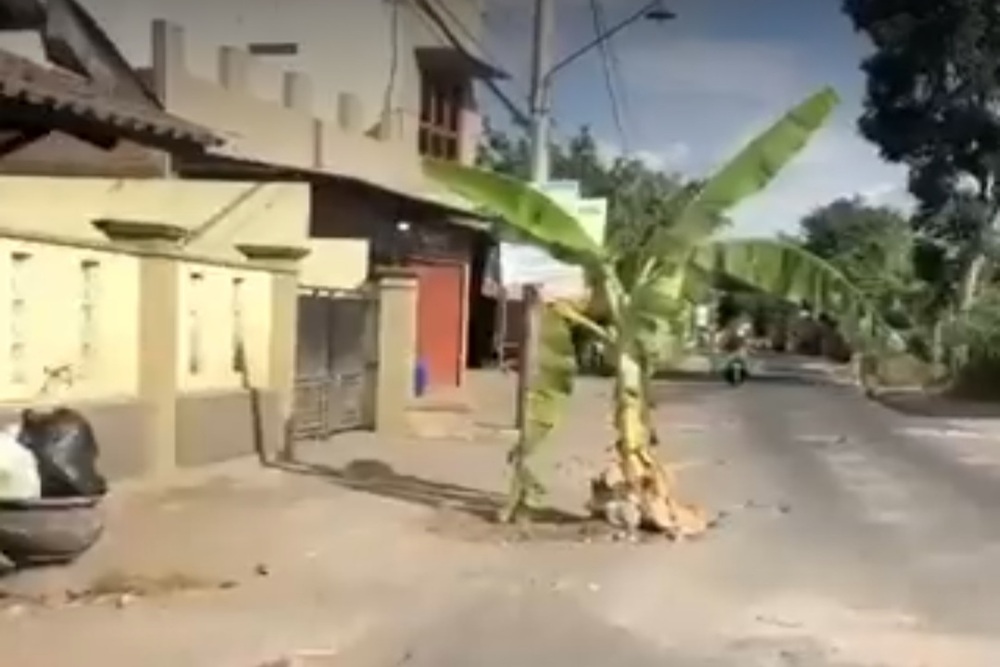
(463, 512)
(934, 404)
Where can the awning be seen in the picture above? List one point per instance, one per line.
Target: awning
(452, 62)
(32, 94)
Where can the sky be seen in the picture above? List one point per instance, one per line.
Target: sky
(697, 88)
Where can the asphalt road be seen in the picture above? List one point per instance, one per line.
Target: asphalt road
(852, 536)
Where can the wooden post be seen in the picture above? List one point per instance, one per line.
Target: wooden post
(500, 330)
(531, 301)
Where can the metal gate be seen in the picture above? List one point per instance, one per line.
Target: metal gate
(336, 361)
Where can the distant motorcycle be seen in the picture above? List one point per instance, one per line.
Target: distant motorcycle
(735, 368)
(735, 371)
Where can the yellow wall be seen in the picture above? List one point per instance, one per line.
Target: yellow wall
(335, 264)
(50, 322)
(226, 212)
(59, 212)
(209, 320)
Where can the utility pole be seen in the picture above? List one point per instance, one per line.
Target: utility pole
(531, 297)
(543, 70)
(541, 66)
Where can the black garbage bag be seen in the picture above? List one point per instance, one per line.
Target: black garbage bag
(64, 445)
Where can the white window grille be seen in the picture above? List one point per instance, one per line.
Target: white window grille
(196, 283)
(239, 359)
(88, 315)
(18, 318)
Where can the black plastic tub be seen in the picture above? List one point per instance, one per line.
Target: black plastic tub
(49, 531)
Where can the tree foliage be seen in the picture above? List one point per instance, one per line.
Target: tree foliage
(872, 245)
(637, 193)
(931, 104)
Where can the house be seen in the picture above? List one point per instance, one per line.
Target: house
(397, 80)
(268, 197)
(109, 301)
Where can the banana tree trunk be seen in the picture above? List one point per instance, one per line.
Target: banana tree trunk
(640, 480)
(646, 377)
(630, 420)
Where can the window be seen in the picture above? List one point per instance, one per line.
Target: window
(273, 48)
(441, 106)
(196, 283)
(239, 360)
(88, 314)
(18, 318)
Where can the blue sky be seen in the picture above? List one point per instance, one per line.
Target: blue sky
(698, 87)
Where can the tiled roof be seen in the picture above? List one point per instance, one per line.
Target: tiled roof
(32, 85)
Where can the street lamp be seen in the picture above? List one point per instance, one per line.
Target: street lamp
(543, 73)
(654, 12)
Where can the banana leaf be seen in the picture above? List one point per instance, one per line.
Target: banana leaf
(657, 300)
(532, 216)
(790, 272)
(550, 386)
(552, 378)
(754, 167)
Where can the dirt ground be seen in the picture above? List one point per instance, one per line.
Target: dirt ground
(238, 564)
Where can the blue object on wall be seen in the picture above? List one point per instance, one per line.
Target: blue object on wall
(420, 378)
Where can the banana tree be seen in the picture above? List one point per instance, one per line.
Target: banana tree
(638, 289)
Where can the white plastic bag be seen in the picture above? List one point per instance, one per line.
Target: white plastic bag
(19, 478)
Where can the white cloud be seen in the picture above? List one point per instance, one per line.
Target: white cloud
(671, 157)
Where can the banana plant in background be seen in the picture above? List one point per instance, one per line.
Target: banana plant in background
(638, 289)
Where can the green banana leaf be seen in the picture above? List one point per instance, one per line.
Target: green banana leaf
(754, 167)
(658, 298)
(549, 388)
(533, 216)
(790, 272)
(552, 380)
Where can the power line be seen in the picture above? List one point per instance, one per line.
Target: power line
(609, 73)
(390, 88)
(616, 70)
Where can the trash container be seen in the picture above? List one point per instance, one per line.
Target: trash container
(420, 378)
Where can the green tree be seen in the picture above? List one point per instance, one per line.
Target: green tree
(636, 192)
(872, 245)
(639, 286)
(931, 98)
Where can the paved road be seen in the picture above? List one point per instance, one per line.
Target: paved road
(853, 536)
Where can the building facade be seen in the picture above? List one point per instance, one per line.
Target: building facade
(396, 78)
(110, 303)
(320, 134)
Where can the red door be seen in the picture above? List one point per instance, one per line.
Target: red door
(440, 298)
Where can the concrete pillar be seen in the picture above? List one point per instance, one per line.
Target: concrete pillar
(158, 245)
(350, 115)
(169, 60)
(297, 92)
(397, 349)
(279, 378)
(470, 135)
(234, 68)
